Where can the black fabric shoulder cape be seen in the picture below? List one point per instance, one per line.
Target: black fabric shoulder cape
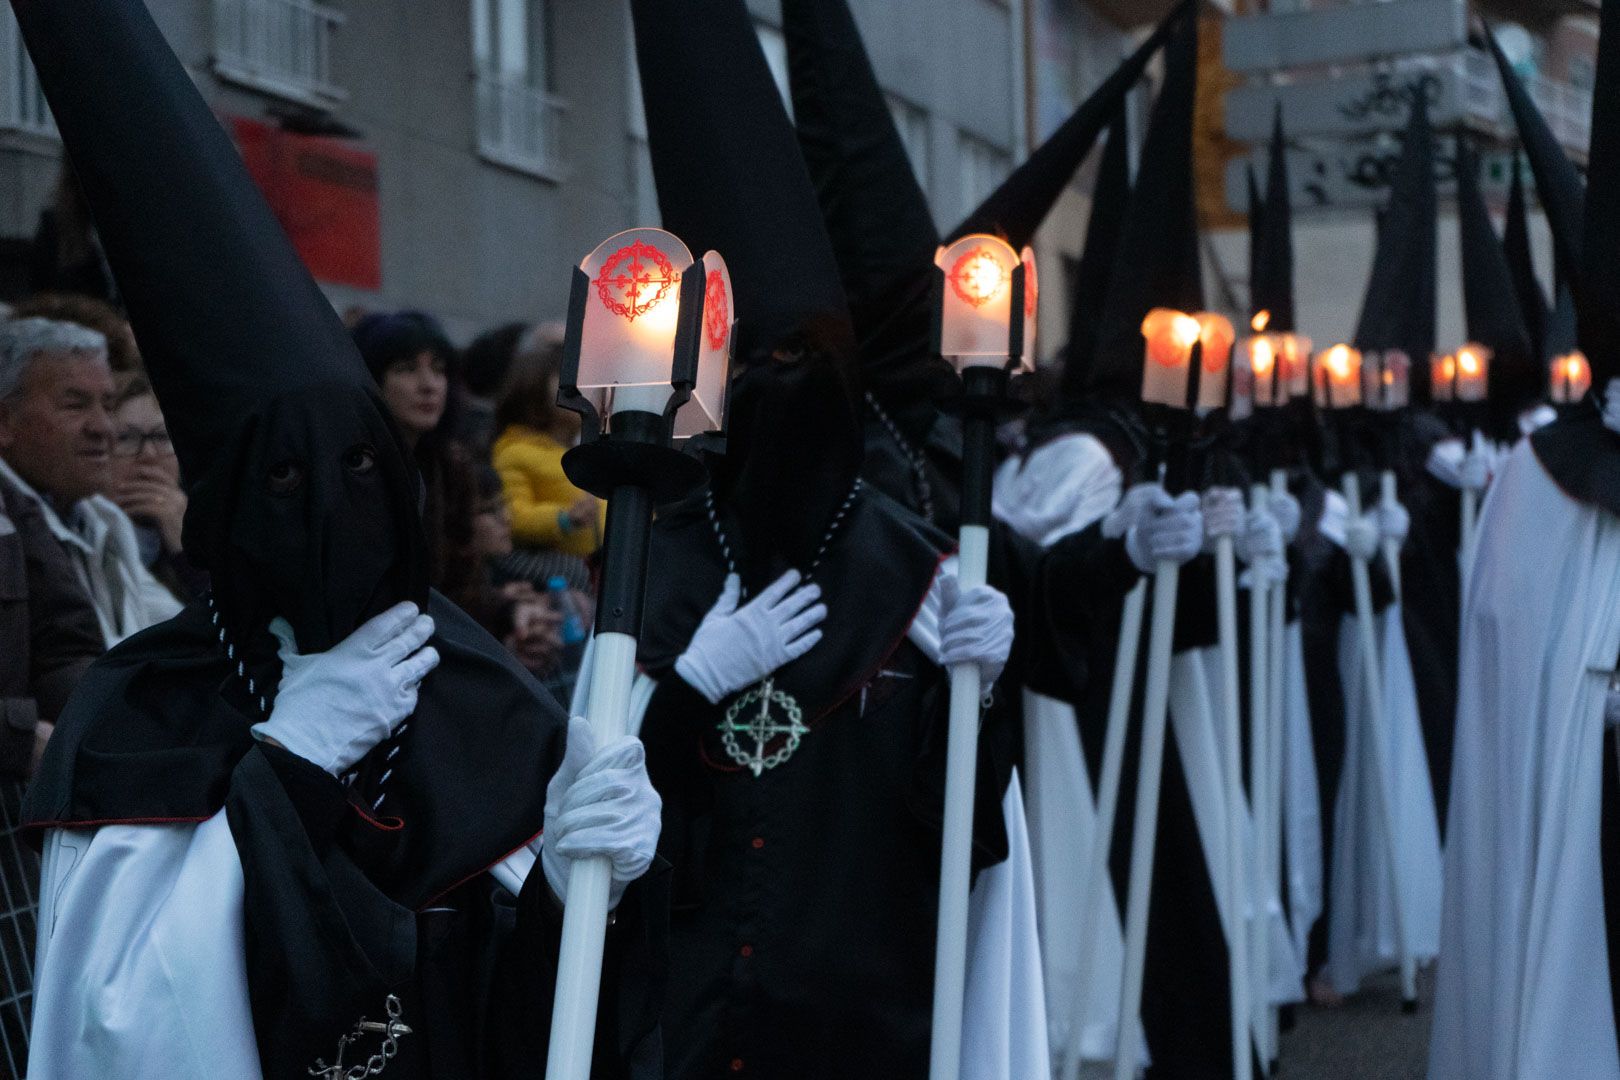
(155, 730)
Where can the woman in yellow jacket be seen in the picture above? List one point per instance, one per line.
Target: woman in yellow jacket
(547, 511)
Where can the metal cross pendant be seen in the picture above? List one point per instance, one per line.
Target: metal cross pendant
(751, 718)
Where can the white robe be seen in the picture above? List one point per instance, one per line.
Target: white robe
(1524, 973)
(1301, 805)
(140, 971)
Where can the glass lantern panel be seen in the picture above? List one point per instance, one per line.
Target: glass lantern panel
(627, 346)
(1257, 367)
(1338, 378)
(705, 411)
(975, 321)
(1443, 377)
(1244, 385)
(1571, 378)
(1032, 298)
(1473, 365)
(1168, 340)
(1294, 360)
(1217, 337)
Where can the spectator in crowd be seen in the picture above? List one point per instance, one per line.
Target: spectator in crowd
(56, 436)
(413, 363)
(146, 486)
(48, 632)
(98, 315)
(548, 512)
(484, 368)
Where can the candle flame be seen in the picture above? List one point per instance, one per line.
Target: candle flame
(1468, 362)
(1262, 356)
(1261, 320)
(978, 277)
(1338, 362)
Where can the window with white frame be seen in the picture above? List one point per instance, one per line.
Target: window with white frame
(22, 103)
(519, 116)
(281, 47)
(983, 167)
(912, 123)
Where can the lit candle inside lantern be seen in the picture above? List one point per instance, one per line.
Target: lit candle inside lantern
(1443, 377)
(1293, 366)
(1338, 378)
(1262, 352)
(1473, 362)
(628, 336)
(1169, 336)
(1571, 378)
(1216, 336)
(980, 274)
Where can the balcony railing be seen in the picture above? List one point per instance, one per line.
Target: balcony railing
(22, 103)
(1567, 109)
(520, 126)
(282, 47)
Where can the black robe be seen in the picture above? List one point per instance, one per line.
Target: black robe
(343, 907)
(803, 926)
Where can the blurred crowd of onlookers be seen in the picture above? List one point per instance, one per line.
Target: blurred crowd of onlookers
(92, 506)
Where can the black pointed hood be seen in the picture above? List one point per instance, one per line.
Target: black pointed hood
(1016, 209)
(731, 178)
(1562, 335)
(1398, 311)
(1274, 270)
(1157, 263)
(1109, 200)
(1579, 451)
(302, 500)
(876, 213)
(1257, 213)
(1558, 185)
(1492, 307)
(1516, 247)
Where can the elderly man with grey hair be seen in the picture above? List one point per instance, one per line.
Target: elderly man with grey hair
(56, 437)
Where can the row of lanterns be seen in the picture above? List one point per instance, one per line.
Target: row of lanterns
(1273, 368)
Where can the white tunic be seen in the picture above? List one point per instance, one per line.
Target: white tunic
(1524, 972)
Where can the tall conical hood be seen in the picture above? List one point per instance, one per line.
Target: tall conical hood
(1016, 209)
(1257, 214)
(1558, 186)
(1562, 334)
(302, 501)
(1521, 264)
(876, 214)
(1157, 263)
(1109, 200)
(1398, 311)
(730, 177)
(1597, 293)
(1491, 306)
(1274, 280)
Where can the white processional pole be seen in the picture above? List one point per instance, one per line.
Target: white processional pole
(626, 457)
(1238, 932)
(986, 307)
(1388, 497)
(1094, 872)
(1261, 781)
(1276, 714)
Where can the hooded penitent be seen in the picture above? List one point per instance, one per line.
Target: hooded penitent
(1582, 454)
(1156, 261)
(1533, 305)
(1273, 282)
(1491, 305)
(1399, 309)
(303, 503)
(1109, 198)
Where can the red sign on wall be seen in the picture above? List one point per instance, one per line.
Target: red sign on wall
(324, 193)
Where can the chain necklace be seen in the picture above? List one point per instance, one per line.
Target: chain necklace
(913, 456)
(755, 714)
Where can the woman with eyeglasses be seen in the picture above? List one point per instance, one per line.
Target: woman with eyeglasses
(145, 483)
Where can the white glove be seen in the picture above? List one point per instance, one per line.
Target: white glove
(1475, 473)
(600, 802)
(1393, 522)
(1285, 508)
(1446, 461)
(1261, 539)
(976, 627)
(1611, 405)
(734, 648)
(332, 707)
(1167, 528)
(1223, 514)
(1361, 537)
(1119, 522)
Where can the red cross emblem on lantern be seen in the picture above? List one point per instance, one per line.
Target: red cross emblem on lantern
(635, 279)
(716, 315)
(977, 277)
